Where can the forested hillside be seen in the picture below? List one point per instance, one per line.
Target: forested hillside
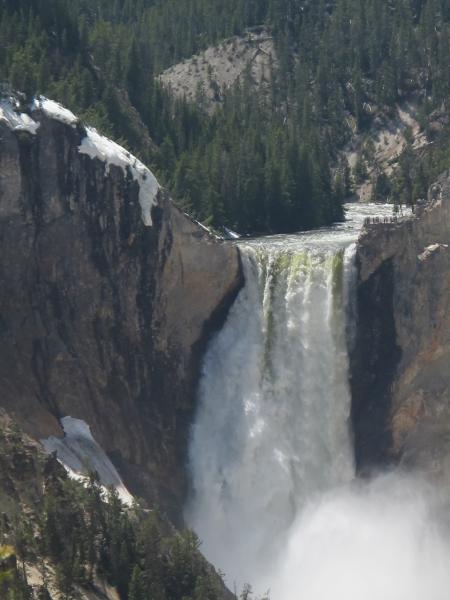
(262, 162)
(62, 539)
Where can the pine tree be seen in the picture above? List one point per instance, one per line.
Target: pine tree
(137, 585)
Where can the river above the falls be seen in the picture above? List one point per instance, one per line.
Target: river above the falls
(338, 235)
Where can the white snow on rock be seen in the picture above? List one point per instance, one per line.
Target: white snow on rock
(430, 250)
(93, 144)
(80, 454)
(98, 146)
(229, 234)
(17, 121)
(209, 230)
(54, 110)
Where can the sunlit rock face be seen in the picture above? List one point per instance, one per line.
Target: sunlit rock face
(108, 295)
(400, 367)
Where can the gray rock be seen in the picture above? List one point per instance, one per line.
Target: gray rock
(401, 361)
(103, 318)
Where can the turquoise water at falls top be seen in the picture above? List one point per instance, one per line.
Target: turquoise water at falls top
(271, 458)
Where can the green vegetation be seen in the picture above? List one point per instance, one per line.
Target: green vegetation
(74, 537)
(262, 162)
(10, 585)
(61, 539)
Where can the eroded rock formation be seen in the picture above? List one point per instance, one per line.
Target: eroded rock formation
(401, 362)
(102, 317)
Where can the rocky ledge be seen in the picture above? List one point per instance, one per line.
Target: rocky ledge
(401, 360)
(108, 295)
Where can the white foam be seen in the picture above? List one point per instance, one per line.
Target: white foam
(79, 453)
(100, 147)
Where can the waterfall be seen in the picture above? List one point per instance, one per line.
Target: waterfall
(274, 497)
(272, 427)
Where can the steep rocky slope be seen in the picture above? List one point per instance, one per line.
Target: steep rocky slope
(108, 295)
(25, 474)
(205, 77)
(381, 145)
(60, 539)
(400, 365)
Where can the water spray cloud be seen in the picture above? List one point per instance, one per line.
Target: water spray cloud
(385, 539)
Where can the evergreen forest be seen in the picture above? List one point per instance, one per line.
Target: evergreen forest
(61, 538)
(262, 162)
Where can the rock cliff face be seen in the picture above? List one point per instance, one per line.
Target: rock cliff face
(206, 77)
(102, 317)
(401, 361)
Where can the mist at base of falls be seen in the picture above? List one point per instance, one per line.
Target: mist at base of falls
(383, 539)
(275, 499)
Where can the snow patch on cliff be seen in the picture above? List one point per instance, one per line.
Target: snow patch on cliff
(17, 121)
(80, 454)
(229, 234)
(430, 250)
(100, 147)
(54, 110)
(93, 144)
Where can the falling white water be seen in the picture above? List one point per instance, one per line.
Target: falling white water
(271, 459)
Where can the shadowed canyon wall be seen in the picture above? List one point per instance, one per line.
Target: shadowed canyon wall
(101, 317)
(401, 358)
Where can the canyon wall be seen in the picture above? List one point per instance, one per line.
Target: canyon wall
(401, 358)
(103, 316)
